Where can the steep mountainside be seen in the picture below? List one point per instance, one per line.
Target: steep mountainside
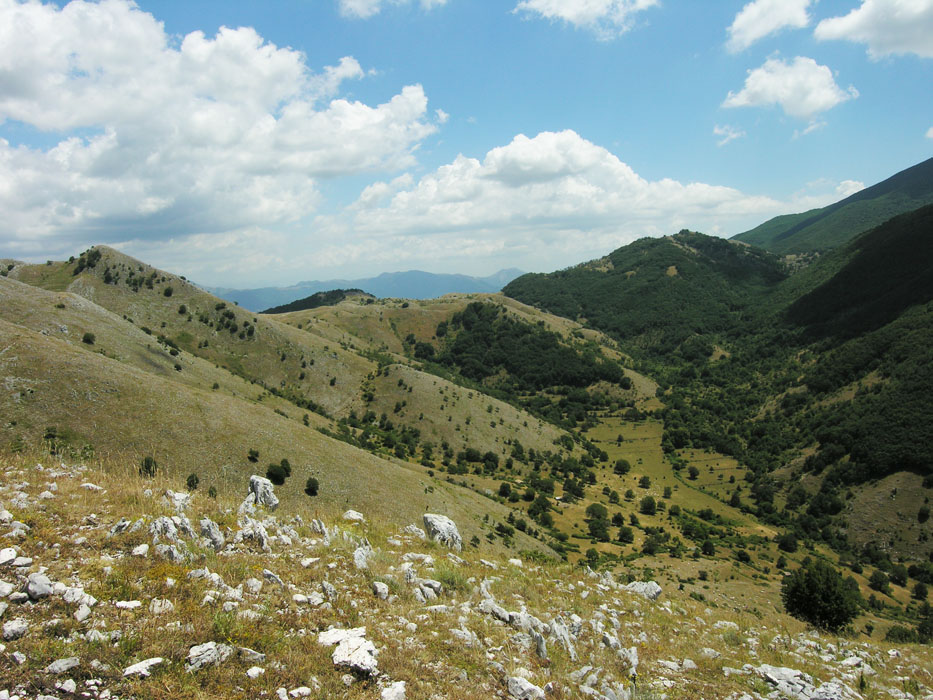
(657, 292)
(817, 382)
(821, 230)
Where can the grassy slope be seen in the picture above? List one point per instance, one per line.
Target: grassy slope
(125, 412)
(833, 226)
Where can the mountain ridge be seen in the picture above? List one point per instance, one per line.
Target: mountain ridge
(410, 284)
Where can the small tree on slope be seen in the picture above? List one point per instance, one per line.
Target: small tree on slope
(817, 593)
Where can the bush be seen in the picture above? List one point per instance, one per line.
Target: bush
(192, 482)
(817, 593)
(879, 581)
(901, 635)
(88, 338)
(253, 455)
(212, 492)
(148, 467)
(622, 467)
(168, 291)
(787, 542)
(645, 482)
(276, 474)
(648, 506)
(311, 486)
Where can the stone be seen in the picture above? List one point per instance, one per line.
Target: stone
(62, 665)
(354, 652)
(522, 689)
(143, 668)
(128, 604)
(211, 531)
(649, 590)
(272, 577)
(380, 590)
(396, 691)
(14, 629)
(170, 552)
(121, 526)
(254, 672)
(416, 531)
(442, 529)
(264, 495)
(141, 551)
(82, 613)
(361, 557)
(38, 586)
(163, 528)
(161, 606)
(354, 517)
(207, 654)
(179, 502)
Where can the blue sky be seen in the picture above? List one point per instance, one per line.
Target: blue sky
(244, 143)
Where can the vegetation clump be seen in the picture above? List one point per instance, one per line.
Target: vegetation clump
(817, 593)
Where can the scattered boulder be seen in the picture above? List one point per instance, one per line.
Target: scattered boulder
(521, 689)
(14, 629)
(143, 668)
(38, 586)
(442, 529)
(354, 652)
(207, 654)
(650, 590)
(62, 665)
(211, 531)
(354, 517)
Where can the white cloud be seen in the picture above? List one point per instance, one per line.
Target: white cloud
(364, 9)
(761, 18)
(930, 133)
(544, 203)
(727, 133)
(607, 18)
(847, 188)
(198, 136)
(549, 199)
(886, 26)
(802, 88)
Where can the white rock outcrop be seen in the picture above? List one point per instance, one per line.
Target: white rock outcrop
(442, 529)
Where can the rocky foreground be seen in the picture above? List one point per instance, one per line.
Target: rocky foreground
(116, 587)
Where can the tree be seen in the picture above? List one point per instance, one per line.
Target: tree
(505, 489)
(311, 486)
(787, 542)
(693, 472)
(816, 593)
(644, 482)
(599, 529)
(622, 467)
(648, 506)
(709, 549)
(596, 511)
(626, 535)
(879, 581)
(276, 474)
(920, 591)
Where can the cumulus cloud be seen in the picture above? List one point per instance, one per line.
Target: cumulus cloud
(543, 202)
(727, 133)
(762, 18)
(886, 26)
(171, 138)
(607, 18)
(930, 133)
(364, 9)
(547, 199)
(802, 88)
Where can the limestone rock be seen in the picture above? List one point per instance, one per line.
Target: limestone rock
(207, 654)
(521, 689)
(211, 531)
(143, 668)
(442, 529)
(354, 517)
(14, 629)
(396, 691)
(38, 586)
(261, 489)
(62, 665)
(649, 590)
(353, 652)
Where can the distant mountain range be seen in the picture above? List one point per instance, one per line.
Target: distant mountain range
(413, 284)
(820, 230)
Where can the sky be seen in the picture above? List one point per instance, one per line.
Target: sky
(247, 144)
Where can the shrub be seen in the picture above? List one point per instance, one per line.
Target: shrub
(276, 474)
(311, 486)
(626, 534)
(88, 338)
(648, 506)
(708, 549)
(212, 492)
(879, 581)
(253, 455)
(693, 472)
(622, 467)
(182, 309)
(148, 466)
(787, 542)
(816, 593)
(168, 291)
(192, 481)
(644, 482)
(901, 635)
